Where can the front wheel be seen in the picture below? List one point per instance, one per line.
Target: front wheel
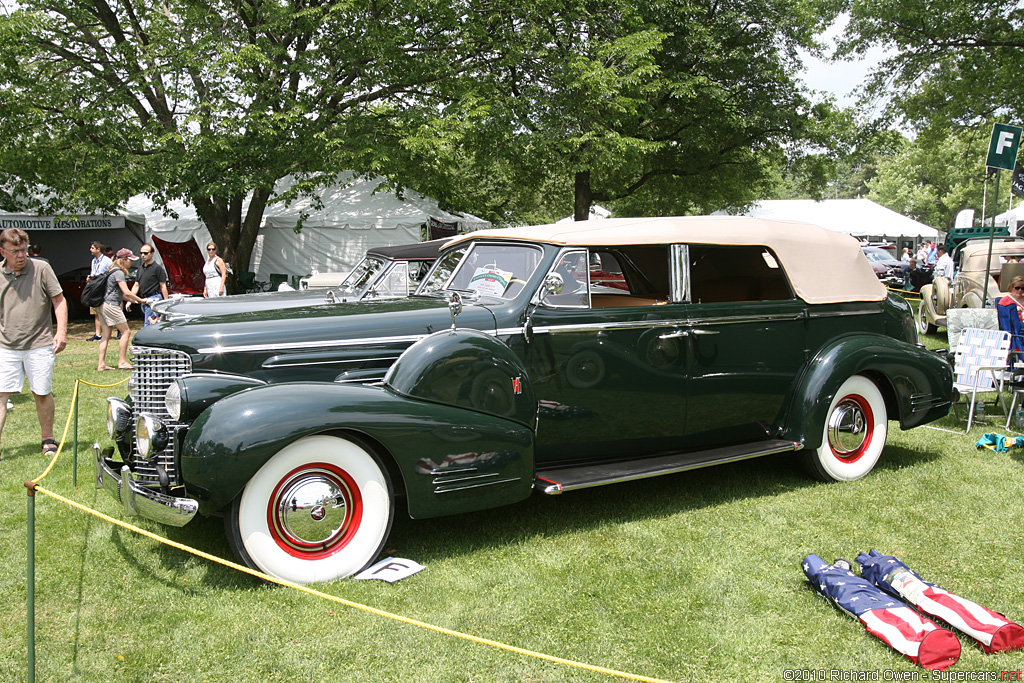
(853, 435)
(320, 509)
(924, 326)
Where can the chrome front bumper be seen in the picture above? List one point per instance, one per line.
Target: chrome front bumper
(140, 500)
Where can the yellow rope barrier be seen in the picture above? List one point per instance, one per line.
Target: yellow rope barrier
(305, 589)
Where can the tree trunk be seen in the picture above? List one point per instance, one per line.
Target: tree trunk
(582, 197)
(235, 236)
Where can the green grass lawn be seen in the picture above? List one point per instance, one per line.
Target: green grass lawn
(690, 577)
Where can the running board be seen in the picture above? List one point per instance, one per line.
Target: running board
(555, 481)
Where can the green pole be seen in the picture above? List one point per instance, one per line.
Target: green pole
(31, 602)
(74, 456)
(991, 239)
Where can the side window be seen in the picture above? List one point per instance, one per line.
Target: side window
(396, 282)
(619, 277)
(572, 271)
(725, 274)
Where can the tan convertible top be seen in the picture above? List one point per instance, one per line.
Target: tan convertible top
(823, 266)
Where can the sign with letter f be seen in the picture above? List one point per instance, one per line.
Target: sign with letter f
(1002, 150)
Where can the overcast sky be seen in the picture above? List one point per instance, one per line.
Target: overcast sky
(839, 78)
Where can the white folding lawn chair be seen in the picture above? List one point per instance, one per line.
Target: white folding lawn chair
(980, 365)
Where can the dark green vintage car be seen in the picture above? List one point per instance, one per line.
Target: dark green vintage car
(545, 358)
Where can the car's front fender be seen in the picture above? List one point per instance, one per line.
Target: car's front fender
(448, 459)
(917, 384)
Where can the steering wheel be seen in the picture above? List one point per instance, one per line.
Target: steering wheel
(515, 281)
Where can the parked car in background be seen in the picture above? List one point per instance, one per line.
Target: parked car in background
(513, 369)
(886, 267)
(977, 279)
(384, 273)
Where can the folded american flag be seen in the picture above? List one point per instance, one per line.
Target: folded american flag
(891, 620)
(993, 631)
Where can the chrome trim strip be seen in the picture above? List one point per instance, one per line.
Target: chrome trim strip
(553, 489)
(624, 325)
(839, 314)
(337, 361)
(730, 320)
(456, 489)
(331, 343)
(448, 479)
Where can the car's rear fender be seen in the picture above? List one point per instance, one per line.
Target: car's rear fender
(915, 383)
(447, 459)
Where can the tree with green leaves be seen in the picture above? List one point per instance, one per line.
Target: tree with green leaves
(936, 176)
(950, 62)
(649, 108)
(214, 102)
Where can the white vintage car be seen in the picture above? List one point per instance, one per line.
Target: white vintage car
(976, 279)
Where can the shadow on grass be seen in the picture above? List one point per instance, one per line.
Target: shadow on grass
(539, 515)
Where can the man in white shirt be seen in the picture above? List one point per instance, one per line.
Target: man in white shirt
(943, 264)
(100, 264)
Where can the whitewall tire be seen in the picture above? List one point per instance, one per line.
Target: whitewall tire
(320, 509)
(853, 435)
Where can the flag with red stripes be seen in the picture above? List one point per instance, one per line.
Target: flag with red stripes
(993, 631)
(892, 621)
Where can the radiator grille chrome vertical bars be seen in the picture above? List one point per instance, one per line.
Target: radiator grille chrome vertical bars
(154, 371)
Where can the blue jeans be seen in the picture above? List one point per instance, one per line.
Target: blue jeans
(148, 316)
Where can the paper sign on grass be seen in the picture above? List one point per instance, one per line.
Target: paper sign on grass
(392, 569)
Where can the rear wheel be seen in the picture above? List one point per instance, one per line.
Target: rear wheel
(320, 509)
(853, 435)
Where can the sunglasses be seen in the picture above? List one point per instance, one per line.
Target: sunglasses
(1018, 289)
(145, 253)
(211, 249)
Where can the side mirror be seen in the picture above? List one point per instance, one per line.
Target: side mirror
(553, 284)
(455, 306)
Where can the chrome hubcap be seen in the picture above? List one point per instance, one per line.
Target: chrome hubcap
(847, 428)
(312, 510)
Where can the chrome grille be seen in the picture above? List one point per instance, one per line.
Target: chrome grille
(154, 371)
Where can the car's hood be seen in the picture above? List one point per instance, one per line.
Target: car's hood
(192, 306)
(314, 326)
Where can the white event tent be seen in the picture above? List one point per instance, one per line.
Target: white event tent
(354, 217)
(862, 218)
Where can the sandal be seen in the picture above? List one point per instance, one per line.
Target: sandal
(50, 447)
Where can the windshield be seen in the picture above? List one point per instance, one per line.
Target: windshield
(879, 255)
(362, 276)
(497, 270)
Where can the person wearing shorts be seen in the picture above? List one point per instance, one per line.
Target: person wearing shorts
(28, 342)
(112, 313)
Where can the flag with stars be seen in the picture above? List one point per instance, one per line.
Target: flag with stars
(892, 621)
(993, 631)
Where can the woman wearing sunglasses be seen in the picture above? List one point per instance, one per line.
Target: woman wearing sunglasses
(215, 272)
(1011, 313)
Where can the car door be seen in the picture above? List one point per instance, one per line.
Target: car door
(609, 384)
(746, 341)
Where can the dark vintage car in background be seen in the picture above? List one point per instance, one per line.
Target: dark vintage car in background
(384, 273)
(887, 268)
(703, 340)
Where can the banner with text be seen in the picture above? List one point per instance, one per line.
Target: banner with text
(29, 223)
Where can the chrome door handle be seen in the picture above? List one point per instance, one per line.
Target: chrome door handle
(705, 332)
(674, 335)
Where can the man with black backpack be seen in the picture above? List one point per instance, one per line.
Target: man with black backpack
(28, 342)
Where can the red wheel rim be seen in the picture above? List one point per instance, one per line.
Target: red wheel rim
(851, 428)
(301, 520)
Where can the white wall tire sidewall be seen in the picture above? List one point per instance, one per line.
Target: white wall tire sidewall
(831, 465)
(377, 510)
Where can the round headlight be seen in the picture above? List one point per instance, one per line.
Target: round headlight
(119, 417)
(172, 401)
(150, 435)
